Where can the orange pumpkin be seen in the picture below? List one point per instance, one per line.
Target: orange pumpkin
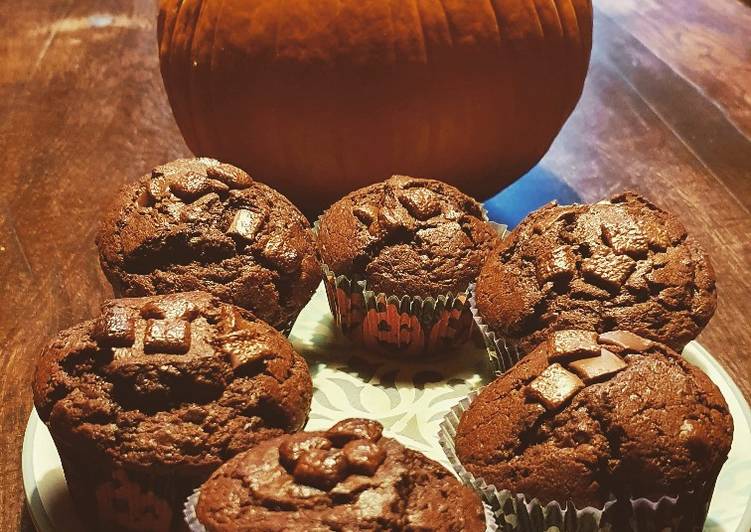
(320, 97)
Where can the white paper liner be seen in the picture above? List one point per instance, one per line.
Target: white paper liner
(189, 511)
(195, 525)
(502, 355)
(399, 324)
(520, 512)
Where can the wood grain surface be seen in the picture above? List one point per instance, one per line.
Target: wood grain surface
(666, 111)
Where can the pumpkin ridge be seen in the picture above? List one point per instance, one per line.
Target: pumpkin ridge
(430, 135)
(275, 122)
(533, 9)
(562, 96)
(211, 118)
(165, 35)
(497, 23)
(554, 5)
(197, 111)
(184, 11)
(554, 64)
(548, 66)
(421, 27)
(448, 22)
(584, 39)
(392, 40)
(586, 43)
(507, 49)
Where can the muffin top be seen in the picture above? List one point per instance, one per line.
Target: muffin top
(347, 478)
(405, 235)
(197, 224)
(622, 264)
(181, 380)
(585, 415)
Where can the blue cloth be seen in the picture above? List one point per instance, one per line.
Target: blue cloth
(531, 191)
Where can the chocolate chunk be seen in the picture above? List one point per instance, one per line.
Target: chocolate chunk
(599, 367)
(320, 468)
(395, 218)
(115, 327)
(200, 209)
(626, 340)
(246, 224)
(153, 310)
(363, 456)
(180, 308)
(637, 281)
(243, 349)
(565, 345)
(367, 214)
(608, 269)
(283, 256)
(674, 297)
(554, 387)
(671, 268)
(581, 289)
(556, 265)
(354, 429)
(422, 203)
(231, 319)
(297, 445)
(229, 175)
(170, 308)
(658, 236)
(158, 188)
(625, 237)
(167, 336)
(192, 185)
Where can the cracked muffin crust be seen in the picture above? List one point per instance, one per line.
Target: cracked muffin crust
(622, 264)
(166, 387)
(586, 416)
(198, 224)
(406, 235)
(346, 478)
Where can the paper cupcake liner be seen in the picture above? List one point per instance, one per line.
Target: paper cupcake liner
(189, 512)
(394, 324)
(502, 355)
(523, 513)
(107, 497)
(398, 324)
(194, 525)
(286, 329)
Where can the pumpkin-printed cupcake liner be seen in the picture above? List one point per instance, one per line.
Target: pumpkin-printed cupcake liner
(393, 324)
(118, 499)
(399, 325)
(194, 525)
(502, 354)
(520, 512)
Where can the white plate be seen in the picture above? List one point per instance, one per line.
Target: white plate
(410, 400)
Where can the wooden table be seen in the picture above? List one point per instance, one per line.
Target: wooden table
(666, 110)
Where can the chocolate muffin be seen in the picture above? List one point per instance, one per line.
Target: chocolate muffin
(620, 264)
(406, 235)
(398, 260)
(198, 224)
(347, 478)
(146, 400)
(590, 417)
